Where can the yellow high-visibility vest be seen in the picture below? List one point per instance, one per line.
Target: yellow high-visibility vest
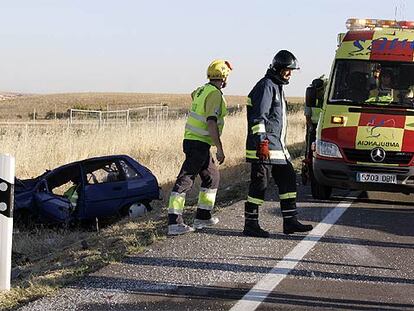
(196, 127)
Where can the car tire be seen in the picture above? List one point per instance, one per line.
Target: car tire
(124, 211)
(320, 192)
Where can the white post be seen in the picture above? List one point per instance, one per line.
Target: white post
(7, 169)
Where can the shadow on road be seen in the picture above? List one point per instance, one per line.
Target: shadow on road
(324, 239)
(173, 296)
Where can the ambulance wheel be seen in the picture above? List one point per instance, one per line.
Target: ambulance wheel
(320, 192)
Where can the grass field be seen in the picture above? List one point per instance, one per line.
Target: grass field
(45, 259)
(23, 107)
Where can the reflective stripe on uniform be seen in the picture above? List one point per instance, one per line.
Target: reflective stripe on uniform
(255, 200)
(258, 128)
(176, 203)
(196, 130)
(274, 154)
(289, 195)
(206, 198)
(203, 119)
(249, 102)
(74, 199)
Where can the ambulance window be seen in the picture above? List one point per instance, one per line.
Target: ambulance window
(350, 81)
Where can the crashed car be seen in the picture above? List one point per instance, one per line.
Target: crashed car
(84, 190)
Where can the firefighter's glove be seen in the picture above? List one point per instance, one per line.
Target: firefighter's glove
(263, 150)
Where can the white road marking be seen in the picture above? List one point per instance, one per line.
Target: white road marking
(265, 286)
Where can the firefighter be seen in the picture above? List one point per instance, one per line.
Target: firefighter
(266, 147)
(202, 130)
(312, 115)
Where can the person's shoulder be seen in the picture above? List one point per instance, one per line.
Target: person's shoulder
(264, 83)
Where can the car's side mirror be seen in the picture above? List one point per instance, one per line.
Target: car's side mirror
(310, 96)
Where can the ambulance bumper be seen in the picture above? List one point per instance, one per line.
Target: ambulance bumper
(343, 175)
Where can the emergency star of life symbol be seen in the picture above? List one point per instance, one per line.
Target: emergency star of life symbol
(377, 155)
(373, 127)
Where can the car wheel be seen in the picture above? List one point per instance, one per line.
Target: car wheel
(320, 192)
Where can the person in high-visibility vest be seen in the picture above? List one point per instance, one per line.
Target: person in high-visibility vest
(203, 129)
(266, 147)
(72, 193)
(312, 114)
(384, 92)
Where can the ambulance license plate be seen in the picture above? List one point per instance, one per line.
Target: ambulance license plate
(377, 178)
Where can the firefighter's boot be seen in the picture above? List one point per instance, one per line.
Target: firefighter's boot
(251, 224)
(292, 225)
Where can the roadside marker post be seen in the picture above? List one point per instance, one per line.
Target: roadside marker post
(7, 173)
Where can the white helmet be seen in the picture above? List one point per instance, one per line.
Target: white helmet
(137, 210)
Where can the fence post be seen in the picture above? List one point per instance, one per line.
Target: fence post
(7, 172)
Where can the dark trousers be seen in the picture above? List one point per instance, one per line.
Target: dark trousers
(198, 161)
(284, 177)
(310, 138)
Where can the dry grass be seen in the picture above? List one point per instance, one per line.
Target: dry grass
(57, 257)
(155, 144)
(21, 107)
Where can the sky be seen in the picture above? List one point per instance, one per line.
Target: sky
(165, 46)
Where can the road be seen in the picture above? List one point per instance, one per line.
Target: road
(358, 257)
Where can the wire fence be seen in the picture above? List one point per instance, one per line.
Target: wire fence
(126, 117)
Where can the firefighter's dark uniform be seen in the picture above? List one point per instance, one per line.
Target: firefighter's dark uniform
(267, 119)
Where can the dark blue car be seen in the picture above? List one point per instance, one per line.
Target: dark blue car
(83, 190)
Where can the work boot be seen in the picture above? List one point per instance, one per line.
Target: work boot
(254, 230)
(203, 219)
(178, 229)
(202, 223)
(292, 225)
(251, 221)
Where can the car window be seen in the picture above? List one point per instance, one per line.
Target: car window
(61, 180)
(129, 171)
(102, 173)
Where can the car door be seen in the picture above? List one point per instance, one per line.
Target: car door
(142, 185)
(51, 203)
(51, 208)
(105, 188)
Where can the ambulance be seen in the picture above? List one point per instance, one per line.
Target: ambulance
(365, 133)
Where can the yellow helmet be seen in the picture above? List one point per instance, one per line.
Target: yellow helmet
(219, 69)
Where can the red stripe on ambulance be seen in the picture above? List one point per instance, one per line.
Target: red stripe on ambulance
(408, 141)
(358, 35)
(382, 120)
(344, 137)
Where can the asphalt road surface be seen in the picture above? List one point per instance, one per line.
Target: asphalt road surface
(360, 256)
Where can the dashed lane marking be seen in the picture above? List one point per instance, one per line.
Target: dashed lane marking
(267, 284)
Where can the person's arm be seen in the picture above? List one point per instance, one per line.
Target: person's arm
(213, 108)
(308, 116)
(261, 98)
(215, 136)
